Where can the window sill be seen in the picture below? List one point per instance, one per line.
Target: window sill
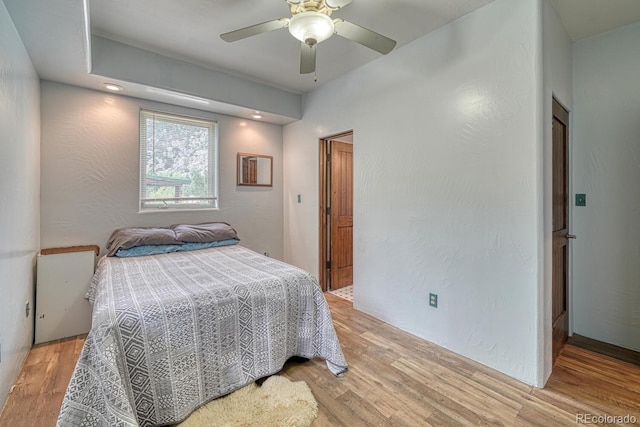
(155, 211)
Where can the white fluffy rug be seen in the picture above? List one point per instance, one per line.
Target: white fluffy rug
(278, 402)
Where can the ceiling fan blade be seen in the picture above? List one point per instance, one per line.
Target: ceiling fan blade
(365, 37)
(336, 4)
(254, 30)
(307, 58)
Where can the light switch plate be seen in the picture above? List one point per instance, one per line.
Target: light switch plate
(581, 200)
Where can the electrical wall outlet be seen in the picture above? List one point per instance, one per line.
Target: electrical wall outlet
(433, 300)
(27, 309)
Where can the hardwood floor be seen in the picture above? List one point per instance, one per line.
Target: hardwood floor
(395, 379)
(37, 396)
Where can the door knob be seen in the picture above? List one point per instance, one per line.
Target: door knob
(570, 236)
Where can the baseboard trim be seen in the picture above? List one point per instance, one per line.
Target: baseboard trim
(614, 351)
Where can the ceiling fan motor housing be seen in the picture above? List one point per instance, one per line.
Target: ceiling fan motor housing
(311, 27)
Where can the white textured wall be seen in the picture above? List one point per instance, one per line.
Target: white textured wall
(447, 184)
(606, 154)
(19, 199)
(90, 171)
(557, 65)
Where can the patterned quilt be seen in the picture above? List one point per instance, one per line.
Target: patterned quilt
(171, 332)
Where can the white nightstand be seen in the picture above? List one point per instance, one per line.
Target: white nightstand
(63, 276)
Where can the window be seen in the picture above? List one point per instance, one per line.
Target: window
(178, 167)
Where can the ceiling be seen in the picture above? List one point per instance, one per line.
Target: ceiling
(190, 30)
(586, 18)
(184, 35)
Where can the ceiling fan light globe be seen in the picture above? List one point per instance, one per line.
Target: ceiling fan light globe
(312, 26)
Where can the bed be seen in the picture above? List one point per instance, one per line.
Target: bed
(172, 331)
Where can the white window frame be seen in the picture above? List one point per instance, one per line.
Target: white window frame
(166, 204)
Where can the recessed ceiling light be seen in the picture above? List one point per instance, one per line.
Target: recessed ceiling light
(256, 115)
(113, 87)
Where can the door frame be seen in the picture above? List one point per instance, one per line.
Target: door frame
(559, 110)
(322, 211)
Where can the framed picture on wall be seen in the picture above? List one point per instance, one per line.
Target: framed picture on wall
(255, 170)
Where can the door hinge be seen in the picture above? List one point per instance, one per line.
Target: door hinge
(328, 265)
(328, 211)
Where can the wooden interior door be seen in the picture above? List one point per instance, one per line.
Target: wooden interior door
(560, 266)
(341, 215)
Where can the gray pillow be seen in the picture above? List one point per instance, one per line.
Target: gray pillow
(129, 237)
(203, 233)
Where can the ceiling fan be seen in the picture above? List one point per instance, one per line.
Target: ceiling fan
(311, 23)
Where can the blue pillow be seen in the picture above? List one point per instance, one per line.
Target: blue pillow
(194, 246)
(165, 249)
